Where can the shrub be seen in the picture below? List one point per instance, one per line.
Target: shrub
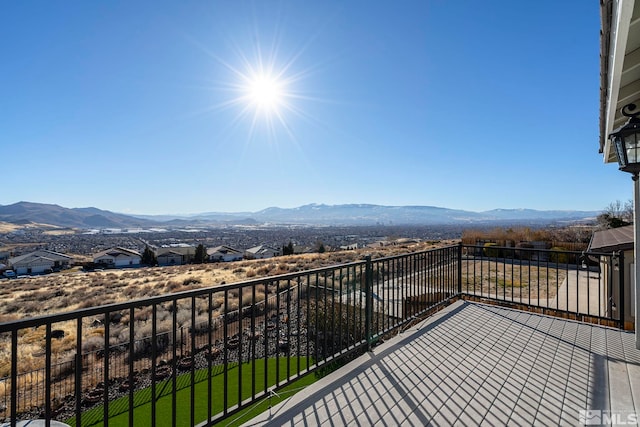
(491, 251)
(191, 281)
(281, 269)
(233, 306)
(173, 285)
(247, 297)
(263, 271)
(90, 302)
(524, 255)
(183, 318)
(92, 344)
(557, 255)
(218, 300)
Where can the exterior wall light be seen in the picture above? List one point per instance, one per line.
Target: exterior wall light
(626, 141)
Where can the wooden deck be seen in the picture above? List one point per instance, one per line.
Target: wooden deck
(476, 364)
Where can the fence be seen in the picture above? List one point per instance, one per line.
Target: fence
(232, 345)
(587, 286)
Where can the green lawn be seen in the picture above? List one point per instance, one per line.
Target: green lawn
(119, 408)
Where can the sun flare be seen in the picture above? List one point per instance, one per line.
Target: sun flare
(265, 92)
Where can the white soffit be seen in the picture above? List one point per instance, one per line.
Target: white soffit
(623, 85)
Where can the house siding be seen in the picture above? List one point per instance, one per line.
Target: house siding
(34, 268)
(170, 259)
(224, 254)
(39, 262)
(118, 258)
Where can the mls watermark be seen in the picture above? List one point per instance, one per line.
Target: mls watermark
(598, 417)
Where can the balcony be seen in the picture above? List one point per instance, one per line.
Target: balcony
(478, 364)
(461, 334)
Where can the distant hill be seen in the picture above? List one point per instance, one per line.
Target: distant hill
(312, 214)
(351, 214)
(27, 212)
(514, 214)
(367, 214)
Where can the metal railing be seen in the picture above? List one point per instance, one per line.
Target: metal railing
(587, 286)
(227, 347)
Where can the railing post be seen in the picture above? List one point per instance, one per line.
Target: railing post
(459, 268)
(368, 300)
(621, 287)
(14, 377)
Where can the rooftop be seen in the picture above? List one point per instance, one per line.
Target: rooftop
(613, 239)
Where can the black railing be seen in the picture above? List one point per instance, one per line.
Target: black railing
(226, 347)
(588, 286)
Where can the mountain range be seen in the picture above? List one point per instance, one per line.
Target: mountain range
(312, 214)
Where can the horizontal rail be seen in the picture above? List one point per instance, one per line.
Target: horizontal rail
(582, 285)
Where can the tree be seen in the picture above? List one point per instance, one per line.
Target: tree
(200, 256)
(148, 257)
(616, 215)
(288, 249)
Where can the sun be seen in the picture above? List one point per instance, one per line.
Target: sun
(265, 93)
(265, 89)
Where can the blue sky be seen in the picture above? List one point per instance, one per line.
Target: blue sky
(144, 107)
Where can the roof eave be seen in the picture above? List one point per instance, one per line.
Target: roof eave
(615, 24)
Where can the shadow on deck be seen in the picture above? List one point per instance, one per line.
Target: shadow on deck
(477, 364)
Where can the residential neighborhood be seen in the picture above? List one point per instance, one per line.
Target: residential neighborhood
(178, 247)
(45, 261)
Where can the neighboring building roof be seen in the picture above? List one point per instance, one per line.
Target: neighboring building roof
(613, 239)
(262, 249)
(223, 250)
(182, 250)
(115, 252)
(40, 254)
(170, 253)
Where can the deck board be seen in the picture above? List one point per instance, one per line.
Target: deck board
(473, 363)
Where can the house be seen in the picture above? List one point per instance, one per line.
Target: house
(350, 247)
(262, 252)
(170, 257)
(619, 84)
(117, 257)
(175, 255)
(224, 254)
(617, 240)
(39, 261)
